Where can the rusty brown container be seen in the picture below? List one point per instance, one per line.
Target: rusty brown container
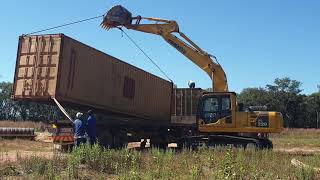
(184, 105)
(79, 75)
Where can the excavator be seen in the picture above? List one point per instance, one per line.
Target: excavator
(220, 120)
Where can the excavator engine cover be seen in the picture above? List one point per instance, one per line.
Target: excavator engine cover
(116, 16)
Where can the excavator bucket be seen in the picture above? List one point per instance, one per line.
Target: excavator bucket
(116, 16)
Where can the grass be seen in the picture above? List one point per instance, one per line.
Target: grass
(297, 138)
(95, 162)
(88, 162)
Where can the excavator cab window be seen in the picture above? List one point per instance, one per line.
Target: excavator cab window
(215, 108)
(210, 113)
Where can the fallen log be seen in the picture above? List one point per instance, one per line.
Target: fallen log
(300, 164)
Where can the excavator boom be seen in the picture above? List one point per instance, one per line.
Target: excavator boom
(118, 16)
(217, 117)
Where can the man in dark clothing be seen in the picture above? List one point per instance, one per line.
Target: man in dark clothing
(79, 130)
(91, 127)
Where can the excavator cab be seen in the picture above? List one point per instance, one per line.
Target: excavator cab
(217, 112)
(215, 107)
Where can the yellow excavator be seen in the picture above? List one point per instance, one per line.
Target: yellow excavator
(220, 119)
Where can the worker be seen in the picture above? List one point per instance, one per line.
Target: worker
(79, 130)
(91, 127)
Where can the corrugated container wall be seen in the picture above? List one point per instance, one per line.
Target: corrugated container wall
(184, 105)
(56, 65)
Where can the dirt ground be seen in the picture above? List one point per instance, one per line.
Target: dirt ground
(12, 156)
(12, 150)
(299, 150)
(296, 141)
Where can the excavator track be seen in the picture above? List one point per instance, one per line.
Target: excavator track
(193, 142)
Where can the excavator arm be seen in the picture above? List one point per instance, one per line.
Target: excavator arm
(166, 29)
(217, 117)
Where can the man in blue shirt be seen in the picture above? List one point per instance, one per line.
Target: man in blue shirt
(79, 130)
(91, 128)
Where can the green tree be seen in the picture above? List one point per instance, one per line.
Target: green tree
(312, 110)
(286, 98)
(254, 97)
(24, 110)
(285, 85)
(6, 105)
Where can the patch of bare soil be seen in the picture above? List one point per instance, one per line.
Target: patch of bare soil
(13, 149)
(24, 145)
(13, 156)
(299, 150)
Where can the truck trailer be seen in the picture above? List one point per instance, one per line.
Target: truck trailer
(135, 104)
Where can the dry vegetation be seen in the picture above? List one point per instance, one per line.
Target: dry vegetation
(39, 126)
(7, 145)
(221, 163)
(288, 138)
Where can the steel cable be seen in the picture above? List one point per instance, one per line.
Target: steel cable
(153, 62)
(62, 25)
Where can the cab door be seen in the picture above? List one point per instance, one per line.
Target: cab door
(215, 107)
(210, 109)
(226, 108)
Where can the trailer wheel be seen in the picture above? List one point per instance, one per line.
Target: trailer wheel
(262, 144)
(188, 143)
(265, 144)
(105, 138)
(143, 144)
(159, 143)
(120, 139)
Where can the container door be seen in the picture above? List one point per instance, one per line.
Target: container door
(36, 69)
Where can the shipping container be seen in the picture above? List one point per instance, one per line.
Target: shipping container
(79, 75)
(184, 105)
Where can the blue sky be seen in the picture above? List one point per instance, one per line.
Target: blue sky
(255, 41)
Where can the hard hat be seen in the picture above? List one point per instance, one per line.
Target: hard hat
(79, 114)
(90, 112)
(191, 84)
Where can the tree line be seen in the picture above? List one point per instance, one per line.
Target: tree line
(284, 95)
(24, 110)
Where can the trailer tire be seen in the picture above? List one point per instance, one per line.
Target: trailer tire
(105, 138)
